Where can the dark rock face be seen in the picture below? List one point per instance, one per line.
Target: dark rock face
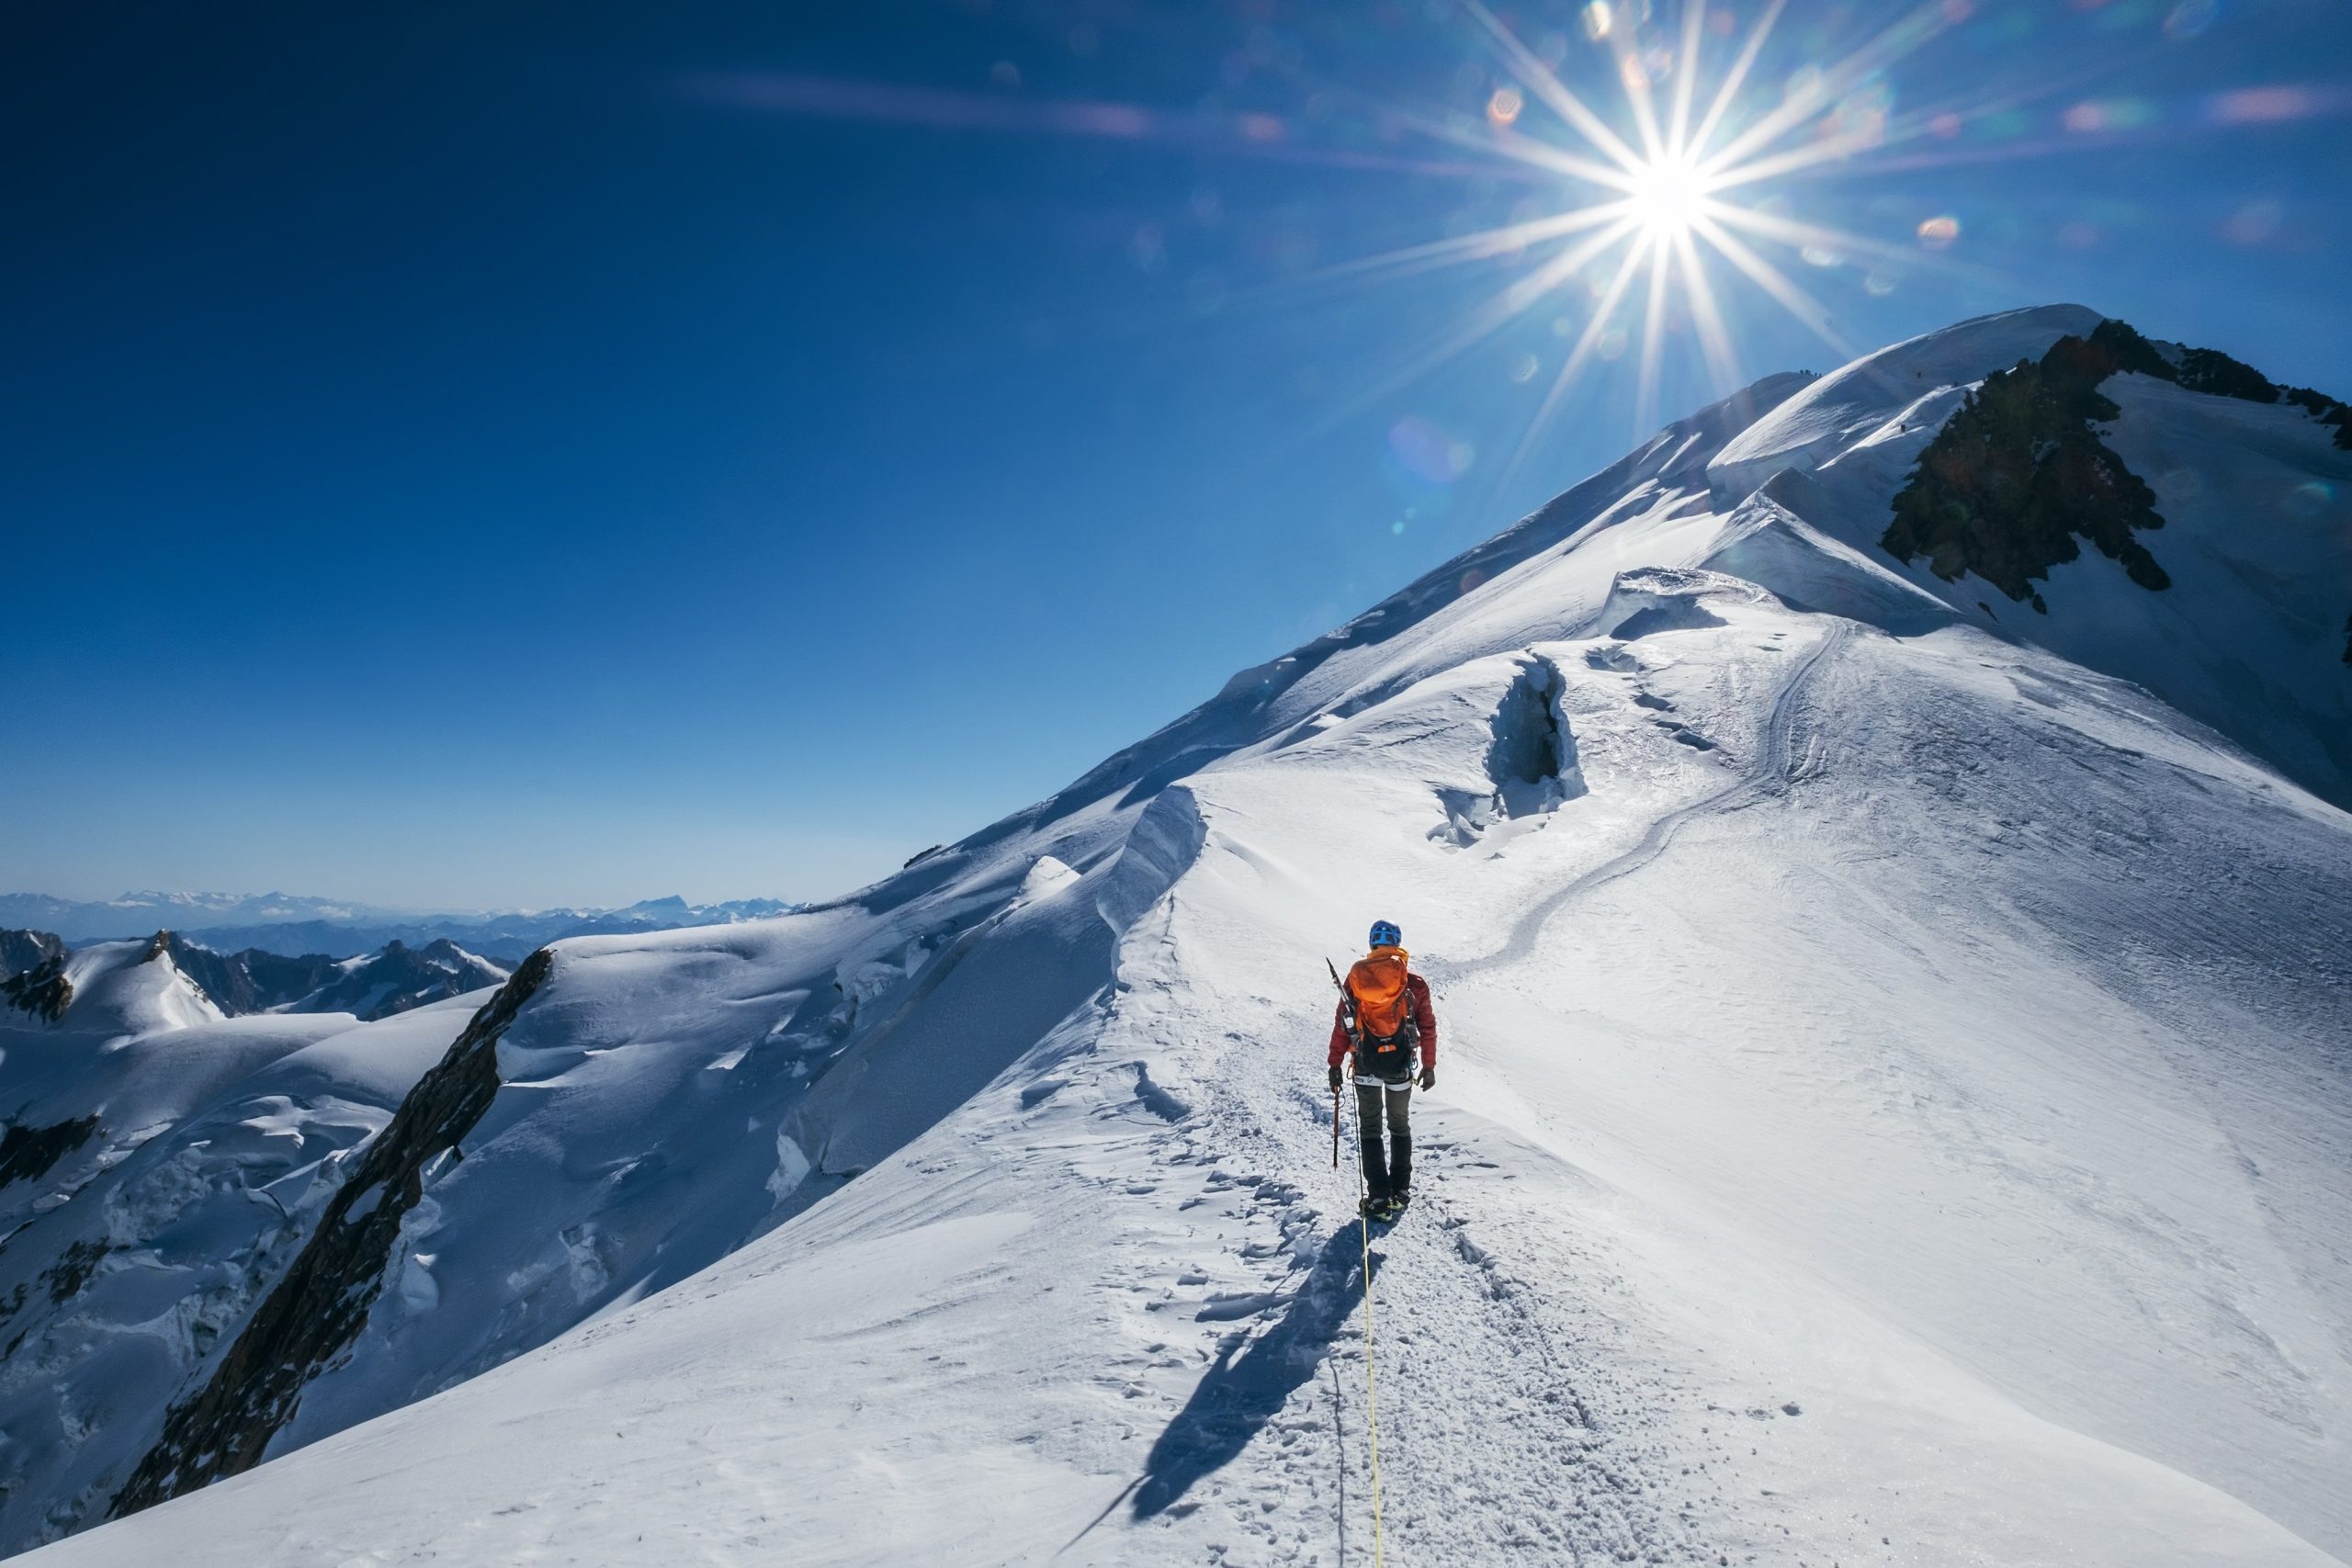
(322, 1304)
(400, 977)
(23, 949)
(251, 981)
(392, 981)
(28, 1152)
(2019, 473)
(66, 1277)
(2325, 410)
(43, 991)
(2210, 370)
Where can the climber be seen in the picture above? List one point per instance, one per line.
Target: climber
(1384, 1017)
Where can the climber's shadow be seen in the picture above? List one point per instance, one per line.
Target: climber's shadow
(1242, 1391)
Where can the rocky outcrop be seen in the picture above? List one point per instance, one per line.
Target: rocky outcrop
(399, 978)
(251, 981)
(43, 991)
(322, 1303)
(392, 981)
(23, 949)
(28, 1152)
(2019, 473)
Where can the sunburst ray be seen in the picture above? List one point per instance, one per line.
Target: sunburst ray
(1645, 392)
(1729, 91)
(1538, 78)
(1484, 245)
(1900, 38)
(1808, 310)
(1686, 79)
(1795, 233)
(1715, 337)
(1594, 329)
(1496, 313)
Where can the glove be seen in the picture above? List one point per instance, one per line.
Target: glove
(1336, 1078)
(1429, 1076)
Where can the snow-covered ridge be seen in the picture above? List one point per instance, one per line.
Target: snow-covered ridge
(1912, 1036)
(1909, 384)
(114, 990)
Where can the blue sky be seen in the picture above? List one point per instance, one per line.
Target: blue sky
(526, 453)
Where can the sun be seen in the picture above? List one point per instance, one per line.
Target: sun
(1667, 197)
(1670, 196)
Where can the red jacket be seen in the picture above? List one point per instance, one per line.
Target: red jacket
(1423, 1018)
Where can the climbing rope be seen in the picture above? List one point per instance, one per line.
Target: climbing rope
(1371, 1386)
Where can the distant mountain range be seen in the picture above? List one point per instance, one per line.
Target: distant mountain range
(278, 953)
(43, 977)
(296, 926)
(390, 980)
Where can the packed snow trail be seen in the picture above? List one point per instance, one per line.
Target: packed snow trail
(1262, 1458)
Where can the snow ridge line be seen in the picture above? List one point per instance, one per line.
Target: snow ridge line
(1770, 775)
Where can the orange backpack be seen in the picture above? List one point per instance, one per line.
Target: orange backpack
(1383, 1003)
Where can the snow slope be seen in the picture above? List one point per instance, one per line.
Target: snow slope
(1892, 1107)
(179, 1171)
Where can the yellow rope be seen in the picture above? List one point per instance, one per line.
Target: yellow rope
(1371, 1391)
(1371, 1384)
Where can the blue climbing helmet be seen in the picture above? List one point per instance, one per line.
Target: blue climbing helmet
(1386, 934)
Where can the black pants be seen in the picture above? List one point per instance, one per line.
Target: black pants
(1387, 1171)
